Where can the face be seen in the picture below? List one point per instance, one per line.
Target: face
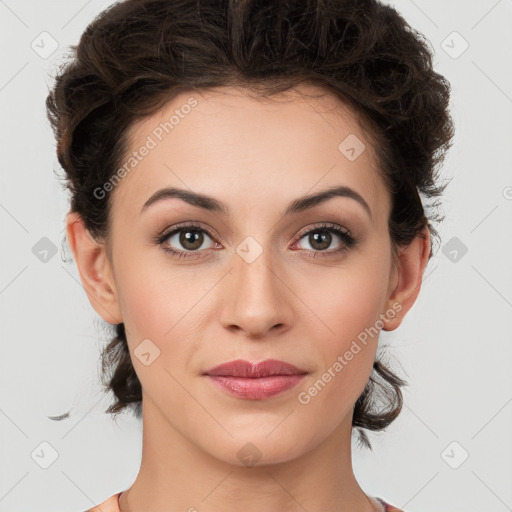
(253, 279)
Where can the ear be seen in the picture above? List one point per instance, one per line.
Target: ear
(94, 269)
(409, 267)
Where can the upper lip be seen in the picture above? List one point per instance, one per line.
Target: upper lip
(242, 368)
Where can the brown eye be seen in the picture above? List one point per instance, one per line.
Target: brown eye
(186, 241)
(322, 237)
(191, 239)
(320, 240)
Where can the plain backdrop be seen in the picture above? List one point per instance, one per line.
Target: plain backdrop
(450, 448)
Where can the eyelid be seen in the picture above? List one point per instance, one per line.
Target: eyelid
(348, 240)
(213, 234)
(189, 224)
(322, 225)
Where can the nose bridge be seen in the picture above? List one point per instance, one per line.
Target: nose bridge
(256, 270)
(258, 299)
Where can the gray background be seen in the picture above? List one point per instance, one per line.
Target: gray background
(450, 448)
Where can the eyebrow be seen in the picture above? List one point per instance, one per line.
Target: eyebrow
(296, 206)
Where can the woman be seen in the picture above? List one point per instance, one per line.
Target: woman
(245, 184)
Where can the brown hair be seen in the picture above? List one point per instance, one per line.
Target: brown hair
(137, 55)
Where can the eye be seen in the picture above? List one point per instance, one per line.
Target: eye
(321, 238)
(186, 241)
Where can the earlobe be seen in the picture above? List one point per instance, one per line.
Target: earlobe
(410, 266)
(94, 269)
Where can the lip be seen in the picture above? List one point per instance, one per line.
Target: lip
(246, 369)
(255, 381)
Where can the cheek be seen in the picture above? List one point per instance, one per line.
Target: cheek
(349, 304)
(146, 308)
(348, 300)
(154, 310)
(163, 305)
(330, 393)
(154, 296)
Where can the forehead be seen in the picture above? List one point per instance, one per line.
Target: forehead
(242, 149)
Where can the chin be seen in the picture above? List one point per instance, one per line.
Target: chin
(256, 447)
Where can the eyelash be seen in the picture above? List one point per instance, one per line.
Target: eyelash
(348, 239)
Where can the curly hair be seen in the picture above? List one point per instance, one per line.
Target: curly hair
(136, 55)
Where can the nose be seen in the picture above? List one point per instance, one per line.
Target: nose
(258, 298)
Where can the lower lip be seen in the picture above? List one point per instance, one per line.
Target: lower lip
(256, 388)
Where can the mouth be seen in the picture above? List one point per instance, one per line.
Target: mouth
(255, 381)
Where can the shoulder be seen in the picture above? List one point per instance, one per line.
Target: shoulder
(112, 505)
(109, 505)
(386, 507)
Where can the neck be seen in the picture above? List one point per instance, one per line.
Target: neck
(177, 475)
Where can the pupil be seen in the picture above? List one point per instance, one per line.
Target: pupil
(324, 237)
(191, 237)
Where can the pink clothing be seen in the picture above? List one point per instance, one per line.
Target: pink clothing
(112, 505)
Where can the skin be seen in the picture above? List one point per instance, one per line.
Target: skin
(256, 157)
